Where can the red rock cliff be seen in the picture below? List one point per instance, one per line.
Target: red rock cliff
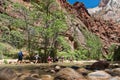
(107, 30)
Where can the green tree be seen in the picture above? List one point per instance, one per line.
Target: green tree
(53, 23)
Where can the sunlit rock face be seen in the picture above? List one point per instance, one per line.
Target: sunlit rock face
(112, 10)
(107, 30)
(107, 9)
(103, 3)
(77, 16)
(94, 10)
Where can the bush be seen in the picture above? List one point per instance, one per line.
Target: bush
(5, 61)
(7, 51)
(110, 54)
(93, 45)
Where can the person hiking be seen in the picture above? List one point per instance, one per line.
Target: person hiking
(56, 59)
(49, 59)
(36, 58)
(20, 57)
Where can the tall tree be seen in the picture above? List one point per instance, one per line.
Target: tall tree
(53, 23)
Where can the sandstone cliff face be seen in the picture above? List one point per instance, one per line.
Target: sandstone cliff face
(107, 9)
(73, 24)
(73, 35)
(9, 10)
(107, 30)
(112, 10)
(103, 3)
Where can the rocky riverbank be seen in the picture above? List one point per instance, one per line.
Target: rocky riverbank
(61, 71)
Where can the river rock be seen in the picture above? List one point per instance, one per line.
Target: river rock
(30, 78)
(22, 76)
(116, 71)
(57, 68)
(7, 74)
(35, 75)
(46, 77)
(115, 78)
(113, 72)
(83, 71)
(99, 75)
(100, 65)
(52, 71)
(68, 74)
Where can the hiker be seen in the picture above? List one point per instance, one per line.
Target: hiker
(56, 59)
(49, 59)
(20, 57)
(62, 58)
(71, 59)
(36, 58)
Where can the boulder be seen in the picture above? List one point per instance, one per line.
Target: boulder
(7, 74)
(99, 75)
(68, 74)
(100, 65)
(114, 72)
(83, 71)
(46, 77)
(52, 71)
(57, 68)
(22, 76)
(115, 78)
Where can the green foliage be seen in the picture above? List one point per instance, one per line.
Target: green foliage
(64, 44)
(18, 23)
(5, 20)
(81, 54)
(5, 61)
(110, 55)
(93, 45)
(116, 56)
(63, 53)
(5, 35)
(39, 28)
(53, 23)
(1, 52)
(76, 55)
(13, 37)
(17, 39)
(112, 48)
(10, 30)
(7, 51)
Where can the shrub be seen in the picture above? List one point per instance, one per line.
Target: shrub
(5, 61)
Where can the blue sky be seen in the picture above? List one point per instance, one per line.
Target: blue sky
(87, 3)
